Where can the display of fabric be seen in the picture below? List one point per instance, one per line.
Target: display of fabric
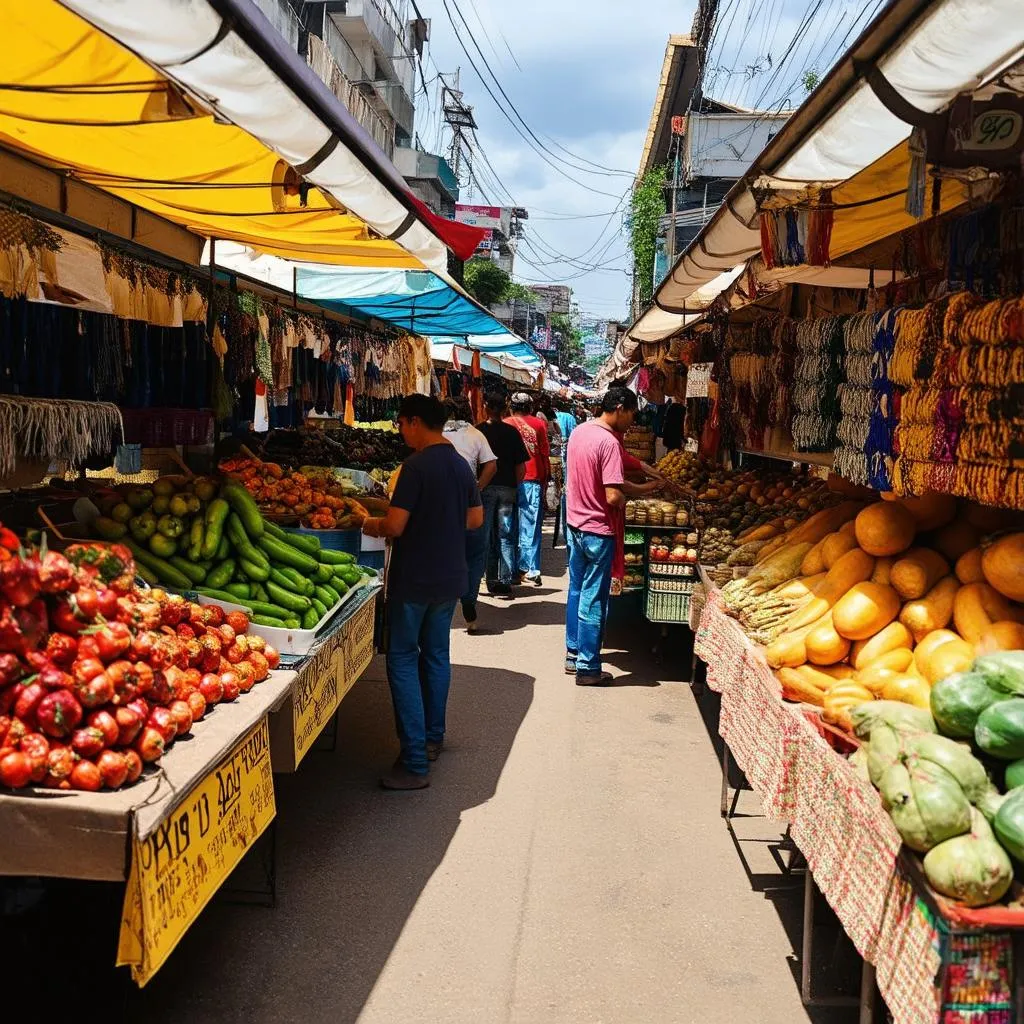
(818, 374)
(856, 398)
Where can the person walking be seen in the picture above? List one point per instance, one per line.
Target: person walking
(534, 433)
(596, 489)
(473, 446)
(436, 501)
(499, 496)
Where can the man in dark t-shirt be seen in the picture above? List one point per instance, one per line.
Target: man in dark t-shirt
(499, 496)
(435, 501)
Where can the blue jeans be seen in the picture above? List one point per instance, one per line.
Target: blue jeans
(499, 525)
(476, 557)
(531, 523)
(419, 673)
(586, 611)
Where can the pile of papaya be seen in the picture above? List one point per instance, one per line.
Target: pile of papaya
(221, 547)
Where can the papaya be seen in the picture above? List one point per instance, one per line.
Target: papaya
(1000, 729)
(958, 701)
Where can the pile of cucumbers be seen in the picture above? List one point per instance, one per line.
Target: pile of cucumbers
(230, 552)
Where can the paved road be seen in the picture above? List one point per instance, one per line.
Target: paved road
(568, 866)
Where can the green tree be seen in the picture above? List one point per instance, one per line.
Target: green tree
(569, 338)
(646, 208)
(519, 292)
(486, 281)
(810, 79)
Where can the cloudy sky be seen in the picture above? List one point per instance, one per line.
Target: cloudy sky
(583, 76)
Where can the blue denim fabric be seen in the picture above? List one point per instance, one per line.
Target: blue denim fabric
(499, 524)
(476, 558)
(586, 611)
(531, 526)
(419, 673)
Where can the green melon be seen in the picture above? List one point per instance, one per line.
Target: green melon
(1000, 729)
(958, 701)
(1015, 774)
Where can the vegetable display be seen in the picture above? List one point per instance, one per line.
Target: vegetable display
(98, 678)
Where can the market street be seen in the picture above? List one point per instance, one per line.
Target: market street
(568, 865)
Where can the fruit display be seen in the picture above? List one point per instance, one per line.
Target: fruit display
(639, 442)
(320, 500)
(656, 512)
(97, 678)
(228, 551)
(353, 447)
(677, 549)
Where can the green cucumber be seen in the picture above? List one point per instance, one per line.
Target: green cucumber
(223, 550)
(328, 595)
(196, 573)
(298, 583)
(223, 595)
(286, 599)
(274, 530)
(195, 539)
(260, 593)
(321, 609)
(293, 622)
(146, 574)
(310, 618)
(240, 590)
(223, 574)
(272, 611)
(243, 546)
(266, 620)
(160, 567)
(245, 508)
(303, 541)
(216, 512)
(340, 586)
(323, 573)
(255, 572)
(283, 580)
(329, 557)
(287, 555)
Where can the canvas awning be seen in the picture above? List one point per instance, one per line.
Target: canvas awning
(499, 364)
(193, 112)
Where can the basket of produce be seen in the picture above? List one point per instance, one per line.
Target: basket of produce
(358, 447)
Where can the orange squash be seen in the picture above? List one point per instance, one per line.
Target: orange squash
(853, 567)
(824, 645)
(841, 699)
(834, 546)
(931, 510)
(976, 607)
(908, 690)
(1001, 636)
(956, 539)
(885, 528)
(796, 688)
(968, 567)
(886, 667)
(893, 637)
(926, 646)
(813, 562)
(883, 570)
(865, 610)
(956, 656)
(916, 572)
(1003, 565)
(933, 611)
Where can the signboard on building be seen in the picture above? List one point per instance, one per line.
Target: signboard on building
(487, 242)
(497, 218)
(543, 339)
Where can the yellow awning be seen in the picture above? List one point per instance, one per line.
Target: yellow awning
(74, 99)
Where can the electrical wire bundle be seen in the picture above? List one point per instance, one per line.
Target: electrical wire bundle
(818, 373)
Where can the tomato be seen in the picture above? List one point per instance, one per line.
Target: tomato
(176, 681)
(36, 747)
(227, 635)
(129, 722)
(85, 669)
(197, 704)
(173, 610)
(61, 649)
(235, 653)
(246, 676)
(182, 712)
(109, 602)
(112, 640)
(238, 621)
(59, 713)
(86, 776)
(141, 707)
(106, 723)
(93, 690)
(256, 643)
(194, 653)
(273, 658)
(192, 677)
(87, 647)
(113, 768)
(162, 691)
(232, 685)
(214, 615)
(186, 631)
(16, 729)
(87, 742)
(260, 666)
(211, 688)
(15, 770)
(143, 644)
(27, 704)
(133, 763)
(164, 722)
(8, 695)
(5, 725)
(210, 658)
(54, 678)
(149, 745)
(196, 613)
(59, 762)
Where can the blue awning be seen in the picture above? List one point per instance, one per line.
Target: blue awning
(414, 300)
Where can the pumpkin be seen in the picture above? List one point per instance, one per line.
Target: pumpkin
(885, 528)
(1003, 565)
(968, 567)
(1001, 636)
(916, 572)
(976, 607)
(883, 570)
(933, 611)
(958, 700)
(864, 610)
(824, 645)
(931, 510)
(834, 546)
(907, 690)
(924, 648)
(956, 656)
(893, 637)
(955, 539)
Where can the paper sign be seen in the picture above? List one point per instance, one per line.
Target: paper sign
(358, 643)
(691, 445)
(176, 870)
(318, 692)
(697, 378)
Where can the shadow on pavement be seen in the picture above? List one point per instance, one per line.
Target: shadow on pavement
(352, 861)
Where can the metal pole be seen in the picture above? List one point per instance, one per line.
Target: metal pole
(867, 993)
(672, 223)
(807, 939)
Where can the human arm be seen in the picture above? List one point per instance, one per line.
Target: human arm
(487, 471)
(474, 517)
(520, 472)
(614, 496)
(391, 525)
(543, 455)
(640, 490)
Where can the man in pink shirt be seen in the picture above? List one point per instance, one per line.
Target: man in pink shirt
(596, 488)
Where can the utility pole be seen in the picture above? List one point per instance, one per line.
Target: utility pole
(459, 117)
(671, 247)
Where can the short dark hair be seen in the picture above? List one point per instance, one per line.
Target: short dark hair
(458, 408)
(496, 399)
(618, 398)
(425, 408)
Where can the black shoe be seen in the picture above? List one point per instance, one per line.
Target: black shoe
(400, 778)
(593, 678)
(570, 665)
(499, 589)
(434, 751)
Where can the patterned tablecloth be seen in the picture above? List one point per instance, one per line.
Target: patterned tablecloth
(835, 817)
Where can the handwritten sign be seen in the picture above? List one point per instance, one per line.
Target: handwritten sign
(697, 378)
(357, 643)
(176, 870)
(318, 693)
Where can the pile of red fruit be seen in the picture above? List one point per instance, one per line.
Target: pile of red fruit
(97, 678)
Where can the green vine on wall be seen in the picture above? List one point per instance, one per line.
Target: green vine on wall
(646, 208)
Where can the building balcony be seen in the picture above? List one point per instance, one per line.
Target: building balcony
(430, 178)
(383, 26)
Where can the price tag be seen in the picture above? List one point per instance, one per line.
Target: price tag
(691, 445)
(176, 870)
(697, 379)
(318, 692)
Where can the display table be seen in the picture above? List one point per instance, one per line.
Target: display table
(851, 846)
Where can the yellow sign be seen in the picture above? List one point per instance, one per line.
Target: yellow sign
(176, 870)
(318, 692)
(358, 643)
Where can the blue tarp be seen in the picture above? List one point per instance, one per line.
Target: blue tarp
(414, 300)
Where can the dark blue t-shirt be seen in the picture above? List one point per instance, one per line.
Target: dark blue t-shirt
(428, 562)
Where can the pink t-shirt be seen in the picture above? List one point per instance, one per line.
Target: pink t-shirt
(594, 462)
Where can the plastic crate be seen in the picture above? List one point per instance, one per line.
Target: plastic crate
(668, 608)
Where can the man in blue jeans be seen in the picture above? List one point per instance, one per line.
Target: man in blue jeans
(595, 492)
(435, 501)
(534, 432)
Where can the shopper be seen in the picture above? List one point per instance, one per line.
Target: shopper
(596, 488)
(534, 433)
(472, 445)
(435, 501)
(499, 496)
